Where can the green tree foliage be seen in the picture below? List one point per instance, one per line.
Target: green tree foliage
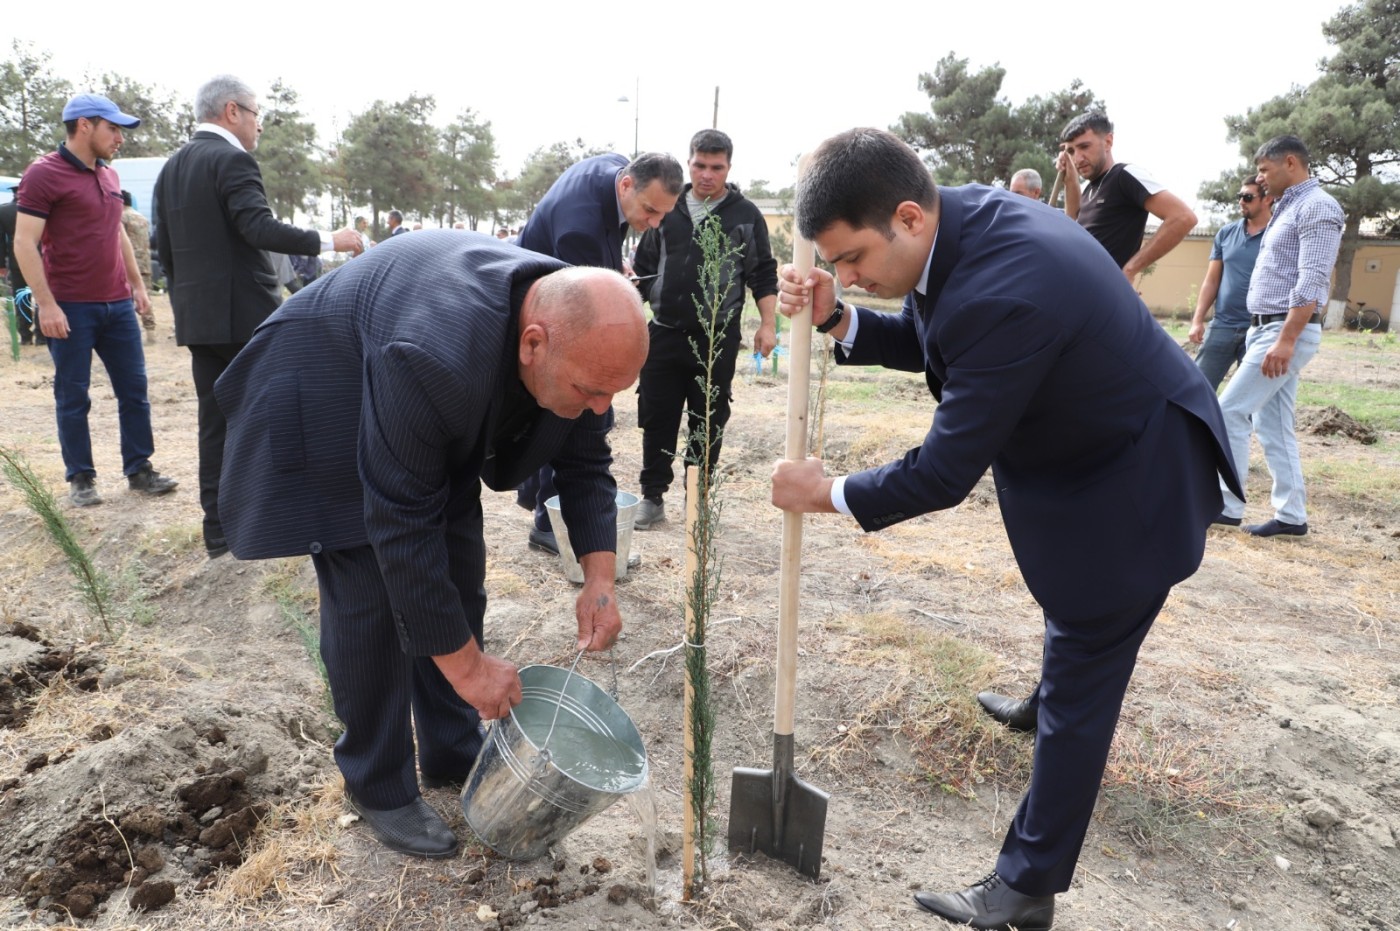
(467, 166)
(389, 155)
(166, 120)
(31, 107)
(286, 154)
(542, 168)
(1350, 119)
(973, 135)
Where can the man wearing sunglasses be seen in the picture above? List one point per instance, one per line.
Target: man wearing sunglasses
(1226, 285)
(214, 229)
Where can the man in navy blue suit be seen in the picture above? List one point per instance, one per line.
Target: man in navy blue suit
(581, 220)
(1103, 438)
(363, 419)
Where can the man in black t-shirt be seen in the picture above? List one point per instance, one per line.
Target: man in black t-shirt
(1114, 204)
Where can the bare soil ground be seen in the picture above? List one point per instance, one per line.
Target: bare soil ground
(176, 771)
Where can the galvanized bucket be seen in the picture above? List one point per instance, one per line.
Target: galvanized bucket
(627, 505)
(552, 765)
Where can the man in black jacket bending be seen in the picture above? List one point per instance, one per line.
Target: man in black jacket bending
(668, 266)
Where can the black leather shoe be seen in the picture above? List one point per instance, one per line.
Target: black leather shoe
(414, 829)
(991, 905)
(1225, 521)
(1015, 713)
(1276, 527)
(543, 540)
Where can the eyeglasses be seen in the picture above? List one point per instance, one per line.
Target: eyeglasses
(257, 114)
(1246, 198)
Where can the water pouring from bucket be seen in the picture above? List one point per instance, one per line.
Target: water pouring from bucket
(567, 752)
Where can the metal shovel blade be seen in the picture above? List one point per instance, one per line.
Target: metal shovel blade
(774, 812)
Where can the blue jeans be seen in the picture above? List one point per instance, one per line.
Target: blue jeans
(1222, 347)
(1267, 405)
(112, 331)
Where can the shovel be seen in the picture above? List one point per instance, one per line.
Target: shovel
(772, 810)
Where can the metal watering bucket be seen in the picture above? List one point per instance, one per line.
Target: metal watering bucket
(558, 760)
(627, 505)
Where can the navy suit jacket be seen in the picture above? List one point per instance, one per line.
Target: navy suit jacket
(1103, 437)
(365, 411)
(577, 220)
(213, 231)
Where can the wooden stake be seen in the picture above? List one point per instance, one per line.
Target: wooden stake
(692, 566)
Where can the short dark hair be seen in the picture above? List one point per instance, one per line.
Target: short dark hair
(1085, 122)
(860, 177)
(712, 140)
(396, 215)
(71, 126)
(656, 166)
(126, 198)
(1279, 147)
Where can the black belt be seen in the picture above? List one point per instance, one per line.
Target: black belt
(1261, 319)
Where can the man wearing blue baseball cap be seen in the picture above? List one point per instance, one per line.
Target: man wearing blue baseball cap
(88, 290)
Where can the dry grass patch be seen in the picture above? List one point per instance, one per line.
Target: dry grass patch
(928, 700)
(1171, 790)
(293, 856)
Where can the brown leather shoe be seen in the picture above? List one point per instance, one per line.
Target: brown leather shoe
(991, 905)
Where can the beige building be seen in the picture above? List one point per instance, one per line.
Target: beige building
(1171, 288)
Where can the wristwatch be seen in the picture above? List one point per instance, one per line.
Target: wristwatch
(838, 314)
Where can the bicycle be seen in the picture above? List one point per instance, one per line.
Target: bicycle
(1359, 318)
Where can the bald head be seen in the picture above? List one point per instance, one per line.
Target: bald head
(583, 338)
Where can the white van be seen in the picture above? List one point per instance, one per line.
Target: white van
(138, 175)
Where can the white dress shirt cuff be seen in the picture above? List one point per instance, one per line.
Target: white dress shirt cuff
(838, 496)
(327, 241)
(849, 342)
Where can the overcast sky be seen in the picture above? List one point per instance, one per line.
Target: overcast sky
(788, 76)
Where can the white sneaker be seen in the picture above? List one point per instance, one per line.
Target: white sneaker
(649, 513)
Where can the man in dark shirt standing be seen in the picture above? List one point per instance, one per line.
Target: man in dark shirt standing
(1114, 204)
(25, 323)
(668, 267)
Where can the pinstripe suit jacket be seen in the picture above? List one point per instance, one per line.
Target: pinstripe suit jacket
(365, 411)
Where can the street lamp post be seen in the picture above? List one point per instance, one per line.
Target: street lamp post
(636, 101)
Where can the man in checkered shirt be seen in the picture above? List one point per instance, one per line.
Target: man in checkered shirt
(1287, 293)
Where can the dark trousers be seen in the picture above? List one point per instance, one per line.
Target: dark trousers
(1084, 676)
(1221, 348)
(207, 363)
(536, 490)
(671, 381)
(111, 330)
(383, 695)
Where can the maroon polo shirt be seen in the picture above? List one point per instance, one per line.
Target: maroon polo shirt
(82, 210)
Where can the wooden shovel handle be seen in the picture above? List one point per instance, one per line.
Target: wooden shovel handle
(799, 363)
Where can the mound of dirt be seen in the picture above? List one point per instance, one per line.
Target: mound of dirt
(1333, 421)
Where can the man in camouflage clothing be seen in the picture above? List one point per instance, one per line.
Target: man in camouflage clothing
(138, 230)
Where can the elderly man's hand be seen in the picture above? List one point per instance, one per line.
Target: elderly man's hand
(347, 240)
(487, 683)
(599, 621)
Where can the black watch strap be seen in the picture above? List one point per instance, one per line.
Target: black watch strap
(838, 314)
